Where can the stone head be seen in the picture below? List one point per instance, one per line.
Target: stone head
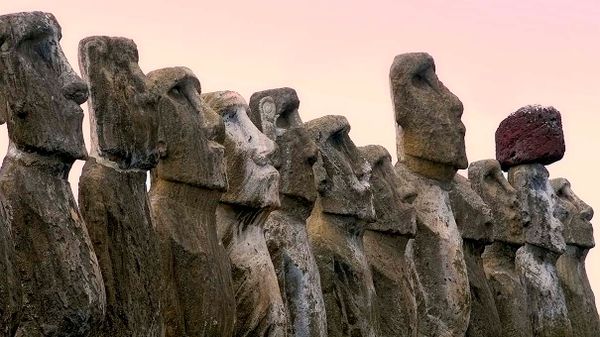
(275, 113)
(473, 216)
(123, 111)
(575, 215)
(190, 134)
(533, 187)
(253, 181)
(391, 199)
(430, 133)
(509, 212)
(341, 172)
(41, 93)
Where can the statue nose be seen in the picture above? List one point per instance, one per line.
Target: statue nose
(76, 90)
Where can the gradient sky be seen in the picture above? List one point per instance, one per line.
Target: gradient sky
(496, 56)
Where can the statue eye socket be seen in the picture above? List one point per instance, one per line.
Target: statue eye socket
(176, 91)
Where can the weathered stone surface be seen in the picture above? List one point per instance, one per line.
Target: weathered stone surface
(575, 214)
(474, 220)
(547, 305)
(532, 134)
(186, 188)
(275, 112)
(385, 242)
(112, 186)
(509, 218)
(279, 105)
(244, 208)
(61, 283)
(509, 213)
(10, 287)
(533, 187)
(41, 91)
(439, 259)
(536, 260)
(335, 229)
(430, 135)
(473, 216)
(342, 174)
(431, 148)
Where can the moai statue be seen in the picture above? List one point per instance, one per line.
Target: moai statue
(527, 140)
(112, 186)
(40, 94)
(275, 113)
(385, 242)
(186, 188)
(474, 220)
(510, 216)
(244, 208)
(336, 225)
(10, 287)
(431, 148)
(579, 238)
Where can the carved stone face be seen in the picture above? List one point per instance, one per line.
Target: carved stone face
(473, 216)
(253, 181)
(427, 114)
(533, 187)
(190, 132)
(123, 112)
(510, 214)
(275, 113)
(391, 198)
(41, 93)
(341, 173)
(574, 214)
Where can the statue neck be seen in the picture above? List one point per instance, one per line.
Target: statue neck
(201, 199)
(112, 164)
(51, 165)
(429, 169)
(343, 224)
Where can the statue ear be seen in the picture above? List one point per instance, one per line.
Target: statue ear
(268, 111)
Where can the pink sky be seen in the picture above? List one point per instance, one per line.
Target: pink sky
(496, 56)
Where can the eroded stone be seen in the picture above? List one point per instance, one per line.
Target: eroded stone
(385, 242)
(532, 134)
(275, 112)
(509, 218)
(575, 215)
(62, 290)
(430, 135)
(509, 213)
(473, 216)
(10, 287)
(536, 260)
(474, 220)
(335, 229)
(253, 193)
(112, 186)
(431, 148)
(186, 188)
(533, 187)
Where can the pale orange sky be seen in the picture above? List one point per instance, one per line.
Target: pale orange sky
(496, 56)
